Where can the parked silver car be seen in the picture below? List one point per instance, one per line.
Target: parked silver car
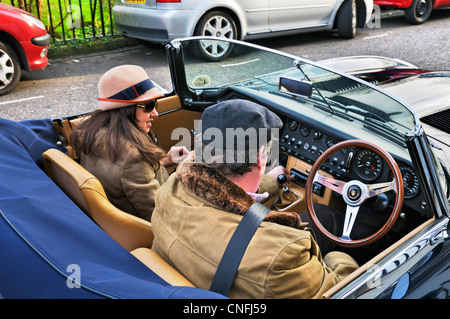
(161, 21)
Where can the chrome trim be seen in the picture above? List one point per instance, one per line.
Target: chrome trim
(386, 272)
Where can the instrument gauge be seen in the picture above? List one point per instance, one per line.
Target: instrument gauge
(368, 165)
(330, 141)
(305, 130)
(410, 181)
(292, 125)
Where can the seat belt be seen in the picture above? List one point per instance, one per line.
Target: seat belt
(226, 271)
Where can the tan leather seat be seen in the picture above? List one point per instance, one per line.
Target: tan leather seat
(133, 233)
(87, 192)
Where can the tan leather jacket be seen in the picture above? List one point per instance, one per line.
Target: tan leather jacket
(194, 221)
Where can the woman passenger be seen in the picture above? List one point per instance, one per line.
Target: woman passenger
(115, 143)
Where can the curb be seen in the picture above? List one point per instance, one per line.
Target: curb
(91, 46)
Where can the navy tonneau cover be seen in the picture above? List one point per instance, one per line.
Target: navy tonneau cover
(47, 243)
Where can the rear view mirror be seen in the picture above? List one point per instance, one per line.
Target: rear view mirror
(295, 87)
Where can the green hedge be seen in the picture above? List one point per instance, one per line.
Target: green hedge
(72, 20)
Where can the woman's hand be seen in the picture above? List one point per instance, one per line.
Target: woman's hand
(175, 155)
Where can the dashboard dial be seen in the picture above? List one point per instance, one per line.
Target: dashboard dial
(410, 181)
(292, 125)
(330, 141)
(305, 130)
(368, 165)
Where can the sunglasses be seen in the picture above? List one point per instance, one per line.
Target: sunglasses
(148, 106)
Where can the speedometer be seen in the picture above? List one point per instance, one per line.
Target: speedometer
(410, 181)
(368, 165)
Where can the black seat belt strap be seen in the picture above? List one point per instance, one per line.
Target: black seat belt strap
(226, 271)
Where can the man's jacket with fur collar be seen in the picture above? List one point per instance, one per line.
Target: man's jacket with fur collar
(197, 211)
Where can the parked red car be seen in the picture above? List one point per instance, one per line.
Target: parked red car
(416, 11)
(24, 44)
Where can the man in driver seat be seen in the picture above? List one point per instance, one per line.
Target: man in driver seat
(199, 208)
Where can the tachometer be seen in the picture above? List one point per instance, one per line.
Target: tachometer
(368, 165)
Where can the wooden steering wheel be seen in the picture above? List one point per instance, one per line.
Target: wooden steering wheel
(354, 193)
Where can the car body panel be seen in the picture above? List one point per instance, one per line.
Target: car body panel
(411, 85)
(426, 91)
(365, 64)
(403, 4)
(23, 31)
(163, 22)
(384, 279)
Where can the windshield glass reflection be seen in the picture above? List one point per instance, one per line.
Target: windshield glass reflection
(250, 66)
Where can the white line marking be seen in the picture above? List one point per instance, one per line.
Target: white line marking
(22, 100)
(376, 36)
(235, 64)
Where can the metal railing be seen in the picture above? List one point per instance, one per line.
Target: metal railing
(69, 20)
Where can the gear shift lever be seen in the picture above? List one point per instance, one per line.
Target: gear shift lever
(286, 197)
(282, 180)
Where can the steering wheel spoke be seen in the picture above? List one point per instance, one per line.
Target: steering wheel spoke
(331, 183)
(350, 217)
(376, 189)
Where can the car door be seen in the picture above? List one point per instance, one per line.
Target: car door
(293, 14)
(256, 15)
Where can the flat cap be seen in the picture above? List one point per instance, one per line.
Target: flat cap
(238, 122)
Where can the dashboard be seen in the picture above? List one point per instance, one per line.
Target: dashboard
(308, 132)
(306, 143)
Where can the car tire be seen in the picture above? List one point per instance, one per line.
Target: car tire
(419, 11)
(217, 24)
(346, 20)
(10, 71)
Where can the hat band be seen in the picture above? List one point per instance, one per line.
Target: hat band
(133, 91)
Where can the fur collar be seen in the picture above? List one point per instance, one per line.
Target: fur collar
(211, 185)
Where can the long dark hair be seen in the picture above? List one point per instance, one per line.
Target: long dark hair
(121, 134)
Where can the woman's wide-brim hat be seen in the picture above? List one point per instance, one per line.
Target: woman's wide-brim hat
(126, 85)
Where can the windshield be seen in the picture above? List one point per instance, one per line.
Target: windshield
(250, 66)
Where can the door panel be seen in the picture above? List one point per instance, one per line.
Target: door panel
(292, 14)
(256, 13)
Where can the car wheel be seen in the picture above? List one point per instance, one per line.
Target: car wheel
(346, 20)
(216, 24)
(419, 11)
(10, 71)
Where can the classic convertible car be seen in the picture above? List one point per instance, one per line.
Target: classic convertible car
(364, 135)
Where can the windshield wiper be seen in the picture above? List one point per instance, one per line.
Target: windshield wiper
(366, 114)
(298, 65)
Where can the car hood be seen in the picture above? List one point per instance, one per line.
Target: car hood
(6, 7)
(366, 64)
(429, 95)
(426, 93)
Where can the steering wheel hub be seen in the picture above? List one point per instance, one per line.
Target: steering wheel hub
(354, 193)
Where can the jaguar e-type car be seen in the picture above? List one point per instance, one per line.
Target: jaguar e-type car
(363, 135)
